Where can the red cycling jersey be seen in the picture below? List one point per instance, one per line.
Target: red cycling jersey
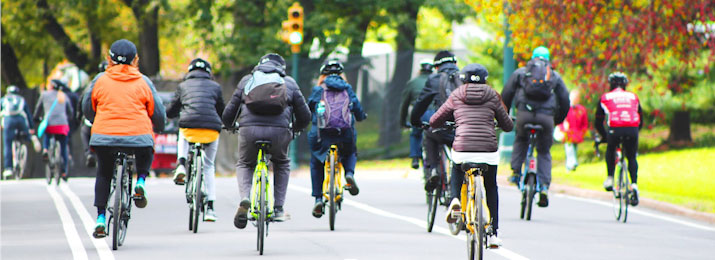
(621, 108)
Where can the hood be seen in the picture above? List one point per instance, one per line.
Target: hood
(448, 67)
(123, 72)
(197, 74)
(336, 82)
(271, 67)
(476, 94)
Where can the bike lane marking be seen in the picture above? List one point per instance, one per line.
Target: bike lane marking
(99, 244)
(418, 222)
(75, 243)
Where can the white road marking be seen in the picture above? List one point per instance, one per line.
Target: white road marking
(78, 251)
(88, 223)
(418, 222)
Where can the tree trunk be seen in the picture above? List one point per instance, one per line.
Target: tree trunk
(11, 73)
(95, 42)
(148, 20)
(355, 59)
(680, 129)
(55, 29)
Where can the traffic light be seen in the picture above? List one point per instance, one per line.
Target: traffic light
(293, 27)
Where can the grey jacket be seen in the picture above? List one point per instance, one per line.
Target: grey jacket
(60, 115)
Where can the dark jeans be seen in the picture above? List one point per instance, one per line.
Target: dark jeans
(416, 142)
(106, 156)
(544, 140)
(63, 148)
(11, 124)
(317, 170)
(490, 187)
(629, 149)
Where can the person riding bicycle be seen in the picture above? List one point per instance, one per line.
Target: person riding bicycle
(125, 111)
(15, 118)
(474, 107)
(198, 102)
(409, 95)
(437, 89)
(333, 93)
(623, 114)
(541, 98)
(264, 103)
(86, 126)
(54, 106)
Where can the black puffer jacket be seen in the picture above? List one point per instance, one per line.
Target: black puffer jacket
(430, 93)
(296, 104)
(198, 102)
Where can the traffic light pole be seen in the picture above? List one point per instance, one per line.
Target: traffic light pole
(293, 145)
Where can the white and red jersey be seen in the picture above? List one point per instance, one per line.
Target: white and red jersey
(621, 108)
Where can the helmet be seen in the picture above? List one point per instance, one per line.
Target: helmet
(57, 84)
(540, 52)
(474, 73)
(332, 67)
(426, 65)
(617, 79)
(102, 66)
(444, 57)
(12, 89)
(201, 64)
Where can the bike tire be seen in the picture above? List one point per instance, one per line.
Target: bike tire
(432, 207)
(626, 192)
(480, 231)
(332, 192)
(522, 212)
(188, 190)
(618, 196)
(126, 202)
(530, 192)
(117, 212)
(198, 195)
(20, 159)
(263, 212)
(58, 162)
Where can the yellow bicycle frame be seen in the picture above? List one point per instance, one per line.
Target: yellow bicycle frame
(255, 189)
(338, 174)
(469, 195)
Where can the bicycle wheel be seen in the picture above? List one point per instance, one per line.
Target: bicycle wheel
(523, 204)
(126, 202)
(263, 212)
(626, 194)
(198, 195)
(332, 192)
(617, 197)
(188, 190)
(20, 159)
(478, 213)
(432, 207)
(530, 192)
(117, 210)
(58, 162)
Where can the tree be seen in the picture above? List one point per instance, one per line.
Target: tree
(10, 71)
(147, 17)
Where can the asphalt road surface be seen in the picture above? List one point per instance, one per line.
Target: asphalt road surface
(385, 221)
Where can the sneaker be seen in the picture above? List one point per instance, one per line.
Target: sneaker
(241, 217)
(455, 210)
(6, 173)
(100, 228)
(279, 214)
(45, 156)
(634, 194)
(210, 215)
(64, 176)
(432, 181)
(514, 178)
(91, 161)
(351, 185)
(543, 197)
(179, 175)
(494, 242)
(415, 163)
(36, 144)
(608, 184)
(140, 194)
(318, 208)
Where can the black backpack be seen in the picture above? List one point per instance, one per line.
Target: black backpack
(448, 82)
(267, 99)
(538, 85)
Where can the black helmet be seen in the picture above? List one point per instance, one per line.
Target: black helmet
(426, 65)
(58, 84)
(201, 64)
(102, 66)
(474, 73)
(444, 57)
(617, 79)
(12, 89)
(331, 67)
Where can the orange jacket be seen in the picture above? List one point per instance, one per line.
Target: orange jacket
(124, 107)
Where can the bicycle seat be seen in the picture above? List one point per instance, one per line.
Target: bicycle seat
(471, 165)
(533, 127)
(265, 143)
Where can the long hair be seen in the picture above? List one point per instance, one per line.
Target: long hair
(322, 77)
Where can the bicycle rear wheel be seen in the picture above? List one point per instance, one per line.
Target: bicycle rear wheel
(262, 213)
(480, 232)
(117, 210)
(432, 206)
(188, 190)
(332, 192)
(626, 194)
(197, 203)
(530, 192)
(126, 203)
(58, 162)
(20, 159)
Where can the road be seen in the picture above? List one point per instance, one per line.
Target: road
(386, 221)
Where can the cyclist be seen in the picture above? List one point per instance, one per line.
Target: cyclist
(15, 117)
(198, 102)
(125, 111)
(541, 102)
(274, 125)
(436, 90)
(474, 106)
(58, 120)
(623, 114)
(333, 93)
(409, 95)
(86, 125)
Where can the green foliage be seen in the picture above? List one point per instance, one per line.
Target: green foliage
(434, 31)
(490, 54)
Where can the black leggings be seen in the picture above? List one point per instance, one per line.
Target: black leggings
(106, 157)
(629, 149)
(490, 186)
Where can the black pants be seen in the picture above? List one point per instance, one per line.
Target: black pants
(106, 157)
(433, 144)
(490, 186)
(628, 137)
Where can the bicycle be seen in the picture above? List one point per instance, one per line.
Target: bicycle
(19, 155)
(53, 167)
(529, 184)
(120, 212)
(261, 208)
(333, 184)
(621, 188)
(196, 189)
(441, 193)
(476, 216)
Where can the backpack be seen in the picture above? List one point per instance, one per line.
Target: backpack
(447, 84)
(12, 105)
(265, 94)
(538, 85)
(337, 113)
